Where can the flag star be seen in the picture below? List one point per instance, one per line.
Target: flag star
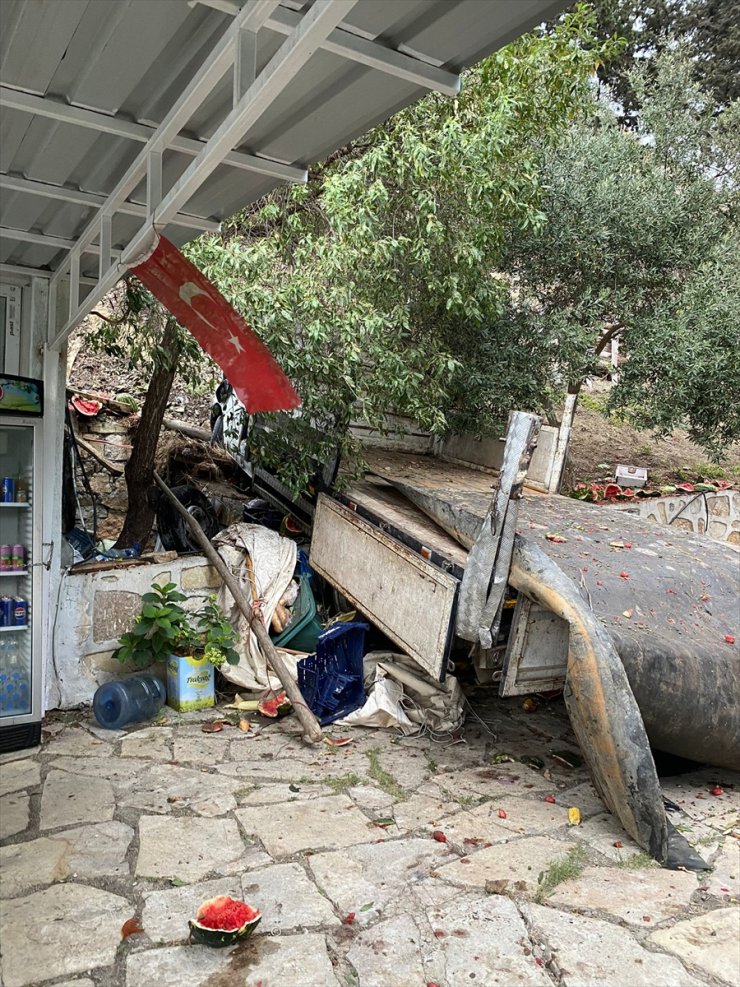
(236, 343)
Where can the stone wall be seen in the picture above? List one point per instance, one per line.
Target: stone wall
(110, 435)
(96, 607)
(718, 515)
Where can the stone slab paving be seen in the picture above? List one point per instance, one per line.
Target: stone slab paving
(592, 953)
(299, 960)
(65, 929)
(14, 814)
(642, 898)
(188, 849)
(708, 942)
(70, 799)
(154, 743)
(336, 847)
(518, 865)
(20, 774)
(48, 859)
(334, 821)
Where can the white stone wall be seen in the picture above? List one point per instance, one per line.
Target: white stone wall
(95, 608)
(718, 517)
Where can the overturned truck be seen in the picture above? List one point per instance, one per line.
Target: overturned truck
(631, 619)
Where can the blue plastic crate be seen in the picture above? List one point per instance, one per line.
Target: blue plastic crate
(331, 680)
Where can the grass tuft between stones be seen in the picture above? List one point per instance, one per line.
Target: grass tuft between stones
(570, 867)
(384, 778)
(638, 861)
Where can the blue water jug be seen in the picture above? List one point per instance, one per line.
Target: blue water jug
(139, 697)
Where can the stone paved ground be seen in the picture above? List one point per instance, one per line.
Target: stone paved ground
(335, 845)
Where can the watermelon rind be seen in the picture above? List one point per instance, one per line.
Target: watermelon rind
(275, 706)
(219, 938)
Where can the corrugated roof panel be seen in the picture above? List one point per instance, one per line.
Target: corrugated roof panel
(137, 56)
(39, 42)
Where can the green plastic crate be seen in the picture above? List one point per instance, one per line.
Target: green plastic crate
(302, 632)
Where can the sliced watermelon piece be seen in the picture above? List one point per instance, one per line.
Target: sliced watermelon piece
(612, 490)
(223, 921)
(274, 705)
(87, 408)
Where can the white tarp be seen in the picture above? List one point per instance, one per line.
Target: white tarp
(401, 695)
(273, 563)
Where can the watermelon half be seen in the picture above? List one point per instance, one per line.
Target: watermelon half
(274, 704)
(223, 921)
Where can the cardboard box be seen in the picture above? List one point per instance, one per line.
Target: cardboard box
(190, 683)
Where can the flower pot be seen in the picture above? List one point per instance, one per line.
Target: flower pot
(190, 683)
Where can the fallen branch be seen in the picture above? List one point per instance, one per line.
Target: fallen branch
(192, 431)
(113, 468)
(312, 730)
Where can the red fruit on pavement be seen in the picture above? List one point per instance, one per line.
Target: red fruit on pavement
(349, 919)
(550, 799)
(718, 790)
(502, 814)
(729, 639)
(439, 836)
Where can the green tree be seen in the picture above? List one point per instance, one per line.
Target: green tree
(708, 29)
(141, 330)
(641, 242)
(376, 286)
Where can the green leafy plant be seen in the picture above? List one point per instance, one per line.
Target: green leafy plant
(165, 628)
(217, 635)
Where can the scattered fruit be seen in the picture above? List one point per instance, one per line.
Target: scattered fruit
(718, 790)
(550, 799)
(439, 836)
(222, 921)
(502, 814)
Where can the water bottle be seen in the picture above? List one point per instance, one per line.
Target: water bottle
(139, 697)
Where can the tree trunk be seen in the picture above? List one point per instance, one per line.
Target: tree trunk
(139, 470)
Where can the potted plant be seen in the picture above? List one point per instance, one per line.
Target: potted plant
(192, 644)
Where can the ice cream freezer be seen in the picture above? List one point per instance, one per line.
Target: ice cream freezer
(20, 582)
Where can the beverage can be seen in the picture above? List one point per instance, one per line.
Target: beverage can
(6, 558)
(6, 611)
(18, 557)
(8, 489)
(20, 612)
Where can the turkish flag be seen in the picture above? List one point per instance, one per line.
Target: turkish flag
(196, 303)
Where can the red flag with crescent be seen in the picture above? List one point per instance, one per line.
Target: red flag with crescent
(197, 304)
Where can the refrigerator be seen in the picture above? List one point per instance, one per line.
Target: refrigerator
(21, 568)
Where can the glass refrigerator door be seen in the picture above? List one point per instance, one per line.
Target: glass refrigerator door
(16, 582)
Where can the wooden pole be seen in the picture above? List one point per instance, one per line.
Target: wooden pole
(312, 730)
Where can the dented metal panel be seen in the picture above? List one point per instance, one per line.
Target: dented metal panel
(408, 598)
(536, 659)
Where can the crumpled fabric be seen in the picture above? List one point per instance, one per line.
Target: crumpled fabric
(273, 560)
(402, 696)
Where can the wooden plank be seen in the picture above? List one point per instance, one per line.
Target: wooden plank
(407, 597)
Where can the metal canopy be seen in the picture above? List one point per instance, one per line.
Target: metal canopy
(124, 118)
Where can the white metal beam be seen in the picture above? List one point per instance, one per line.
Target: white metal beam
(358, 49)
(272, 80)
(47, 240)
(269, 84)
(94, 200)
(54, 109)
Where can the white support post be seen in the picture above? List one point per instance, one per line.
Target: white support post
(104, 260)
(245, 63)
(74, 283)
(153, 182)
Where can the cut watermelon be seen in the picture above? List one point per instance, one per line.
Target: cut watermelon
(85, 407)
(274, 705)
(223, 921)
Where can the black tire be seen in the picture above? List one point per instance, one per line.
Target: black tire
(173, 530)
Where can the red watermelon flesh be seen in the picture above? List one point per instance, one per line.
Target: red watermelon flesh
(225, 914)
(275, 705)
